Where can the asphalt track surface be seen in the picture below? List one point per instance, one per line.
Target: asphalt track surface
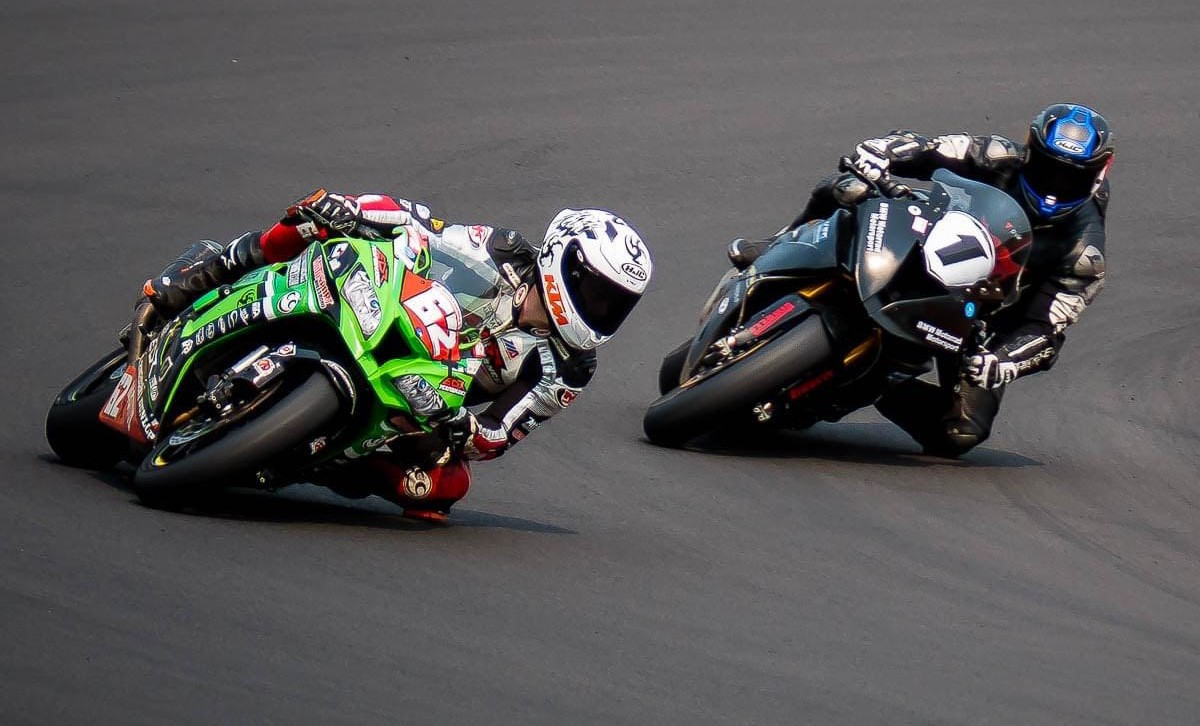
(833, 577)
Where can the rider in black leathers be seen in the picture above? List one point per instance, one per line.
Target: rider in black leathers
(1060, 177)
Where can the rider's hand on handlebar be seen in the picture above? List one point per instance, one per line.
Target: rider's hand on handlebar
(870, 161)
(335, 212)
(885, 185)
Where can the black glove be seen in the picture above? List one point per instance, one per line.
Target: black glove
(459, 429)
(335, 212)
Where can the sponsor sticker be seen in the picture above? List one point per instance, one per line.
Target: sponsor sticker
(939, 337)
(288, 302)
(417, 484)
(297, 272)
(321, 282)
(381, 266)
(554, 295)
(478, 234)
(771, 318)
(452, 385)
(565, 396)
(876, 224)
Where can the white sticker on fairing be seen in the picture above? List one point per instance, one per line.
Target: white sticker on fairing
(360, 296)
(959, 251)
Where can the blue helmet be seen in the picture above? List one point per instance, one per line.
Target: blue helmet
(1067, 155)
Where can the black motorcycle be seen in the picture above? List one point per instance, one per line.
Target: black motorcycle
(837, 310)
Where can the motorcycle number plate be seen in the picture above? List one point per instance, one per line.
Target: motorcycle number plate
(959, 251)
(436, 316)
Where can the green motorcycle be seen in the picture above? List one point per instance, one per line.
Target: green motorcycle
(294, 368)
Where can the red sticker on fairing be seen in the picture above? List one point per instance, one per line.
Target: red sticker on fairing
(120, 412)
(435, 316)
(453, 386)
(381, 267)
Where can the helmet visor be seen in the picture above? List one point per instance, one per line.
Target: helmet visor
(601, 303)
(1067, 182)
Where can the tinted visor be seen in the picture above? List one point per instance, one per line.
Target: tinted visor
(602, 303)
(1067, 182)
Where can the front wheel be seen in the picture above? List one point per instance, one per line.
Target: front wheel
(73, 427)
(672, 367)
(688, 412)
(206, 455)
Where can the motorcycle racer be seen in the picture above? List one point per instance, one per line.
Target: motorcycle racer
(541, 313)
(1060, 177)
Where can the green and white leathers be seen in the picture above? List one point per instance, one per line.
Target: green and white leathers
(356, 343)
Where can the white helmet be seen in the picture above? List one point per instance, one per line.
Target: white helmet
(594, 268)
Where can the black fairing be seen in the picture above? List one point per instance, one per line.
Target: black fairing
(891, 271)
(809, 249)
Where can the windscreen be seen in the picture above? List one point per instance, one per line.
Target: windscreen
(1000, 214)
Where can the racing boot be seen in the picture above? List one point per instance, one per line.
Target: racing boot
(202, 267)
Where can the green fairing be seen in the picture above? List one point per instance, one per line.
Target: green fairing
(235, 312)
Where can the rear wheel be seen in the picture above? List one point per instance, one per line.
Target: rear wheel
(73, 427)
(708, 404)
(213, 453)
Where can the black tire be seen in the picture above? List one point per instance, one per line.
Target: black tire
(672, 366)
(73, 427)
(242, 448)
(685, 413)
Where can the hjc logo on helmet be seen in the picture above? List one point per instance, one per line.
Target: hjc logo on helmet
(1069, 146)
(554, 297)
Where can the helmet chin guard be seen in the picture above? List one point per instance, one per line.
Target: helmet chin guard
(593, 269)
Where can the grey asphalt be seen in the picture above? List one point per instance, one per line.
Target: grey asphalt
(833, 577)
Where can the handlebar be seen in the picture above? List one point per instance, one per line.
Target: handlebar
(886, 186)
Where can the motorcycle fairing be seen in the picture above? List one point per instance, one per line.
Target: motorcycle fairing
(312, 285)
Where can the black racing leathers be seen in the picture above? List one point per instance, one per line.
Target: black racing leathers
(1065, 272)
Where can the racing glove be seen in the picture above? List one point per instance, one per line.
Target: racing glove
(1019, 357)
(990, 370)
(459, 430)
(335, 212)
(872, 159)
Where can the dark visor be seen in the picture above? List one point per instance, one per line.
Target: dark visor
(602, 303)
(1055, 178)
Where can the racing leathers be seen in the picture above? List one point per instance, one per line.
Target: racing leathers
(521, 380)
(1063, 275)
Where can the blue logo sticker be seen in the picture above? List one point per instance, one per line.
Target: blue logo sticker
(969, 310)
